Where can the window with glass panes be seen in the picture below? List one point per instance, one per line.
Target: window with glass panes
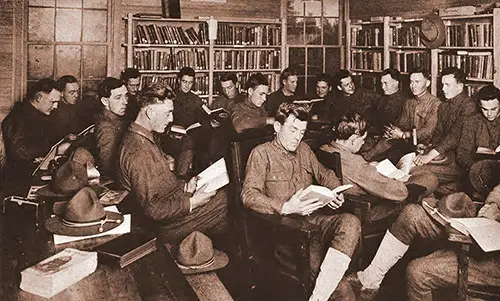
(68, 37)
(314, 39)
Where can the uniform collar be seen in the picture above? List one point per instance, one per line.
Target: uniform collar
(142, 131)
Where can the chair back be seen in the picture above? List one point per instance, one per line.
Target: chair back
(331, 161)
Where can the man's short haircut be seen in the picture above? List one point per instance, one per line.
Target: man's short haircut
(186, 71)
(299, 111)
(424, 72)
(351, 124)
(65, 79)
(339, 76)
(458, 74)
(289, 71)
(256, 79)
(108, 84)
(156, 88)
(323, 77)
(488, 92)
(394, 73)
(224, 77)
(147, 98)
(129, 73)
(43, 85)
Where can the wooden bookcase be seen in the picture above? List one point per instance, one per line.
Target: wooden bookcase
(160, 47)
(471, 44)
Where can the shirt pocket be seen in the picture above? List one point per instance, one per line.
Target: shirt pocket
(278, 184)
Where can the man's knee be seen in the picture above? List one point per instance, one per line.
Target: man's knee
(350, 224)
(416, 274)
(405, 227)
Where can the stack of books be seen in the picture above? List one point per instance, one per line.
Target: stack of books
(58, 272)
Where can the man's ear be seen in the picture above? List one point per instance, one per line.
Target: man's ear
(105, 102)
(37, 97)
(427, 83)
(277, 126)
(149, 112)
(250, 92)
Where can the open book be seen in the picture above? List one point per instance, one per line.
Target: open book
(60, 148)
(488, 152)
(406, 163)
(388, 169)
(486, 232)
(218, 114)
(323, 194)
(179, 129)
(308, 101)
(215, 175)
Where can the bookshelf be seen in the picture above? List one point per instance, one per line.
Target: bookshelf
(160, 47)
(368, 49)
(471, 43)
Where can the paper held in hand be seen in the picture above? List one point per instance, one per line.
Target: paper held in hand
(484, 231)
(215, 175)
(323, 194)
(388, 169)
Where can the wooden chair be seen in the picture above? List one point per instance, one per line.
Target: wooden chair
(372, 231)
(463, 245)
(261, 235)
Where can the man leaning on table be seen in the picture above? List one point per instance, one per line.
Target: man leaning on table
(277, 172)
(176, 208)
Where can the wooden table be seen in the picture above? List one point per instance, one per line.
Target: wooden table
(153, 277)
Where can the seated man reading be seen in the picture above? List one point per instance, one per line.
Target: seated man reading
(482, 131)
(176, 208)
(351, 133)
(276, 174)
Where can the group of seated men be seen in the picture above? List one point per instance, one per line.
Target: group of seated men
(131, 147)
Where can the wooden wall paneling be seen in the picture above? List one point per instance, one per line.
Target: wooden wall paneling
(362, 9)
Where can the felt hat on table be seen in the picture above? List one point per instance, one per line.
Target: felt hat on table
(70, 177)
(83, 216)
(432, 31)
(196, 254)
(456, 205)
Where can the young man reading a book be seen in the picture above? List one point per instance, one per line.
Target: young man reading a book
(434, 271)
(277, 173)
(321, 109)
(368, 182)
(26, 133)
(286, 92)
(110, 124)
(482, 131)
(176, 207)
(229, 95)
(251, 114)
(451, 115)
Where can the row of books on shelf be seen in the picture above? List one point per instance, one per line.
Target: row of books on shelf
(261, 35)
(200, 85)
(371, 60)
(469, 35)
(406, 36)
(366, 37)
(247, 59)
(170, 59)
(407, 61)
(171, 35)
(476, 64)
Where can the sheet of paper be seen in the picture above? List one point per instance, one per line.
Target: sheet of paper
(215, 175)
(484, 231)
(121, 229)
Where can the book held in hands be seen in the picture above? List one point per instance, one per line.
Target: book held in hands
(218, 114)
(58, 272)
(127, 248)
(215, 176)
(308, 101)
(323, 194)
(487, 153)
(179, 129)
(388, 169)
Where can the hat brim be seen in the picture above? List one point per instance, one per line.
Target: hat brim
(438, 41)
(220, 261)
(56, 226)
(432, 202)
(45, 191)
